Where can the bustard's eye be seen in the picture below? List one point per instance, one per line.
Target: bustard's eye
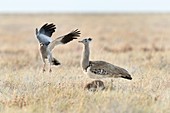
(85, 40)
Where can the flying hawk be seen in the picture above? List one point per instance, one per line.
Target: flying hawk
(47, 44)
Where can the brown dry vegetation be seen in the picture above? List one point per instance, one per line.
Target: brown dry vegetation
(138, 42)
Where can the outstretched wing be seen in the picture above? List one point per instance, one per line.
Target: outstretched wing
(65, 39)
(70, 36)
(47, 29)
(45, 33)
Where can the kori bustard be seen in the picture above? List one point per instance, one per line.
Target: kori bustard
(100, 69)
(47, 44)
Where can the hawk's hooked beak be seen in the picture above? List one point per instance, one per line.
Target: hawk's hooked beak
(41, 44)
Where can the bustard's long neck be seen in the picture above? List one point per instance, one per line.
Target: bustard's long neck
(85, 57)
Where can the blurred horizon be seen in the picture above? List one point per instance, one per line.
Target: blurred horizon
(76, 6)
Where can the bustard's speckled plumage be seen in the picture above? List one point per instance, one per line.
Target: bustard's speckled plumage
(47, 44)
(100, 69)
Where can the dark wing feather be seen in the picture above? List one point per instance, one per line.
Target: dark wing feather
(47, 29)
(64, 39)
(70, 36)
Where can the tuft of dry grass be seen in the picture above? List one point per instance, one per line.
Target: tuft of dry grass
(136, 42)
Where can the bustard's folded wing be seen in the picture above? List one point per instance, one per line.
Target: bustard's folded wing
(45, 33)
(65, 39)
(104, 68)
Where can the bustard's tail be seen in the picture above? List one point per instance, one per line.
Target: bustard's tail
(55, 62)
(127, 76)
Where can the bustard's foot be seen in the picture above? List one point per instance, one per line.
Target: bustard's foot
(50, 70)
(111, 85)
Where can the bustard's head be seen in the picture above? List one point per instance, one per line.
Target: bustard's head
(85, 41)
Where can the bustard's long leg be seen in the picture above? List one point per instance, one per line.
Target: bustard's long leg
(111, 84)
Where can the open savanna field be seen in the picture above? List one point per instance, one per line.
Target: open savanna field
(139, 43)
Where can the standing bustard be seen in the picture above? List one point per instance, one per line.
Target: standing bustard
(47, 45)
(100, 69)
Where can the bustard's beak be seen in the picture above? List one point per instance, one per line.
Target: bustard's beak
(80, 41)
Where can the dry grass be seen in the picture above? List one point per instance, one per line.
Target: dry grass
(139, 43)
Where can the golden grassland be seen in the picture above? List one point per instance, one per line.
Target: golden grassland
(139, 43)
